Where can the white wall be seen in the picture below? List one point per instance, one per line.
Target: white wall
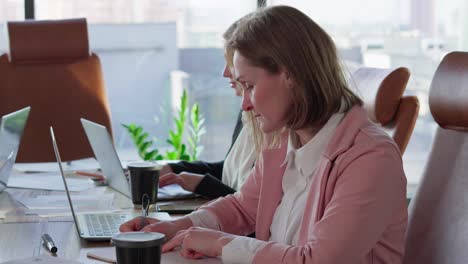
(137, 61)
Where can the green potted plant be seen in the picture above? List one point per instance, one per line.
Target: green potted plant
(189, 127)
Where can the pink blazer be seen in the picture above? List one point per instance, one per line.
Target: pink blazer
(356, 208)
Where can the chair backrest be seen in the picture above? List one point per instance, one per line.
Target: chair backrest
(438, 214)
(382, 92)
(49, 67)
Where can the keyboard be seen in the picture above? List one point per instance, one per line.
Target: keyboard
(104, 224)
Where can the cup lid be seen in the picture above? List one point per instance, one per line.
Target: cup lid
(145, 165)
(138, 239)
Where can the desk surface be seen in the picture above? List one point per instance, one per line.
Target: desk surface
(23, 239)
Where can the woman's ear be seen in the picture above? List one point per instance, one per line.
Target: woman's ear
(288, 80)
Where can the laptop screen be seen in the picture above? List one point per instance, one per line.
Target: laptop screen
(11, 130)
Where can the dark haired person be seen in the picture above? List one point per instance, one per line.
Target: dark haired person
(218, 179)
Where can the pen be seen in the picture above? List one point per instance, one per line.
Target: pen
(49, 243)
(96, 176)
(145, 203)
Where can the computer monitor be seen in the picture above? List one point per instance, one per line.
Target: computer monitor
(11, 130)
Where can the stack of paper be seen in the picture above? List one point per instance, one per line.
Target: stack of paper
(174, 257)
(83, 164)
(48, 181)
(56, 203)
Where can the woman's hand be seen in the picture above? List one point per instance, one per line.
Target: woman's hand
(168, 228)
(188, 181)
(137, 224)
(165, 170)
(197, 242)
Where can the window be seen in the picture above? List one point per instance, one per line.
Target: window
(150, 51)
(11, 10)
(392, 33)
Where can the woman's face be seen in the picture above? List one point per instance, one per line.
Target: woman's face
(266, 95)
(228, 73)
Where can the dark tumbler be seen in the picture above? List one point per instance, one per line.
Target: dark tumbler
(144, 179)
(138, 247)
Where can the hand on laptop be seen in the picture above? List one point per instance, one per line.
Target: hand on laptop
(168, 228)
(188, 181)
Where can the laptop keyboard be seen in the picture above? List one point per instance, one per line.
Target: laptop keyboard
(104, 225)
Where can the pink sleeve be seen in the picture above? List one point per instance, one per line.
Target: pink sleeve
(236, 213)
(369, 192)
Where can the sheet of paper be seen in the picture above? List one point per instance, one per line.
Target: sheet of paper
(62, 213)
(3, 213)
(82, 164)
(108, 255)
(42, 259)
(173, 191)
(48, 181)
(57, 205)
(35, 218)
(81, 202)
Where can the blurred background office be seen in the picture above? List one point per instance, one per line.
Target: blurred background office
(152, 49)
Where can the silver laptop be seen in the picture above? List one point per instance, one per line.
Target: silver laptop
(104, 150)
(107, 157)
(11, 130)
(91, 226)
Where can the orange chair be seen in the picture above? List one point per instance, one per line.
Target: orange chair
(50, 68)
(382, 92)
(438, 214)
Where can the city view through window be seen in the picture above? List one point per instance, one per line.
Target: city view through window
(152, 49)
(415, 34)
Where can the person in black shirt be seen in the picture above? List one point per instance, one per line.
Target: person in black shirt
(206, 178)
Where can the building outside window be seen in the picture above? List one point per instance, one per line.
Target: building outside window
(411, 33)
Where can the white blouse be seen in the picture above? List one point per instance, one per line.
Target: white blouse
(301, 164)
(240, 160)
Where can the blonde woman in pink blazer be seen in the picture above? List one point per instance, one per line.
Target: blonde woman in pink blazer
(328, 187)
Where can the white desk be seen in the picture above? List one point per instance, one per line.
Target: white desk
(23, 240)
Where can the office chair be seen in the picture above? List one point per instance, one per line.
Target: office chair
(382, 92)
(50, 68)
(438, 216)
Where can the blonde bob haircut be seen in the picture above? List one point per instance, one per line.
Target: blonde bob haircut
(228, 55)
(283, 38)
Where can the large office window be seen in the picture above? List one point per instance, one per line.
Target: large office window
(11, 10)
(150, 51)
(412, 33)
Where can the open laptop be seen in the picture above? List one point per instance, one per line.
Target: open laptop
(91, 226)
(104, 150)
(11, 130)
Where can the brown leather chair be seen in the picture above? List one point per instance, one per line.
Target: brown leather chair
(50, 68)
(382, 92)
(438, 214)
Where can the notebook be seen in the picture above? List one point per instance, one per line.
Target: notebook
(173, 257)
(94, 226)
(11, 130)
(104, 150)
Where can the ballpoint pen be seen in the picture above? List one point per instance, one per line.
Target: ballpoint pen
(145, 203)
(49, 243)
(96, 176)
